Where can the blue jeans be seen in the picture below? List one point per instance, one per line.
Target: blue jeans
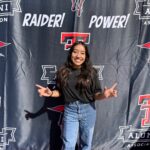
(78, 118)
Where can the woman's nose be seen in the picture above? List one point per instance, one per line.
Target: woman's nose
(78, 55)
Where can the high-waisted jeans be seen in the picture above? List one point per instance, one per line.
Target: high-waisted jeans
(78, 118)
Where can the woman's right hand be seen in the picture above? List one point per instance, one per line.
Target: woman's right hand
(43, 91)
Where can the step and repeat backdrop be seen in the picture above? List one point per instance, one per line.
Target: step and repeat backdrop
(35, 37)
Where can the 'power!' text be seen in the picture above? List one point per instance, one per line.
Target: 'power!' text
(109, 21)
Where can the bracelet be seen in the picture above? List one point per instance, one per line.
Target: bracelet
(51, 93)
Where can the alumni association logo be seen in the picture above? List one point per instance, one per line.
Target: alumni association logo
(8, 8)
(134, 137)
(143, 10)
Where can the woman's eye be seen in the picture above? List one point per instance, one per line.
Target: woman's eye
(74, 52)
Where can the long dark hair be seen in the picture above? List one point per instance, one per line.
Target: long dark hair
(84, 78)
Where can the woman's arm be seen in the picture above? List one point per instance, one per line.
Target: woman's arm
(107, 93)
(45, 91)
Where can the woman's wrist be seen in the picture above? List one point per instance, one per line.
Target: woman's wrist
(51, 94)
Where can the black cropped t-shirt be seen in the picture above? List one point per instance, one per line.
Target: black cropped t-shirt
(71, 93)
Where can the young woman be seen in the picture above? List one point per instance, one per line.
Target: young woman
(78, 83)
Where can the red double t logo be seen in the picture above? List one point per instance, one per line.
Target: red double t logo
(69, 38)
(144, 101)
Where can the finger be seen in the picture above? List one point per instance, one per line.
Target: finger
(39, 90)
(115, 93)
(49, 90)
(114, 86)
(39, 86)
(26, 111)
(27, 117)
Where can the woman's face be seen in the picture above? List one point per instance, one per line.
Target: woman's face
(78, 55)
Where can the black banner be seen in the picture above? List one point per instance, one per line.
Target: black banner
(35, 37)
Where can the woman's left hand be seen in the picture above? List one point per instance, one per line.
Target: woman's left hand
(110, 92)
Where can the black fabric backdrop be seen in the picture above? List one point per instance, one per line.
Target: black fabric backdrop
(35, 37)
